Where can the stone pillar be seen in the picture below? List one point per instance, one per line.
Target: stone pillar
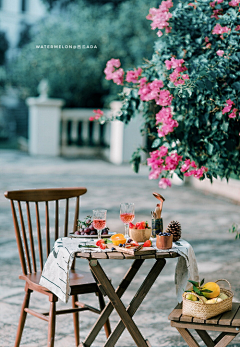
(117, 133)
(44, 125)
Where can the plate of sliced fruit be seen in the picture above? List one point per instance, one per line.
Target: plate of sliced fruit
(85, 229)
(119, 243)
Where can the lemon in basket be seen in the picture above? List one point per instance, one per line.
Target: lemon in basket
(215, 290)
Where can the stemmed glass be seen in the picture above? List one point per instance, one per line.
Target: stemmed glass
(127, 215)
(99, 221)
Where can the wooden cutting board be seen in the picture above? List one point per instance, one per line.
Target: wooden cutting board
(132, 251)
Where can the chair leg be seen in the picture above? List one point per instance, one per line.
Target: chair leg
(102, 304)
(52, 321)
(75, 320)
(23, 316)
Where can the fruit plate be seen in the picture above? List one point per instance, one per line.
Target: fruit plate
(106, 236)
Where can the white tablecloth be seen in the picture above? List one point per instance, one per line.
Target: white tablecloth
(55, 275)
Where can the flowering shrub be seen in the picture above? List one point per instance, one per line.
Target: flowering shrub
(188, 94)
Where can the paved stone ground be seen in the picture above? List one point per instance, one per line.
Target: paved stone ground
(205, 221)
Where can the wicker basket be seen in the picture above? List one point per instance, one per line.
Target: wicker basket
(198, 309)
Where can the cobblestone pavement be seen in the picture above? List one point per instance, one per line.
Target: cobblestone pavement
(205, 221)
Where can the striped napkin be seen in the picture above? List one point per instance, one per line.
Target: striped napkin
(55, 274)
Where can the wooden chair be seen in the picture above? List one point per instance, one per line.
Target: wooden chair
(31, 246)
(227, 324)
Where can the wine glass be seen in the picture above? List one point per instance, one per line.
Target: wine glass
(127, 215)
(99, 221)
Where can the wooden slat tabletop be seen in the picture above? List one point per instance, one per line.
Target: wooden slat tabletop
(227, 317)
(119, 255)
(231, 318)
(236, 319)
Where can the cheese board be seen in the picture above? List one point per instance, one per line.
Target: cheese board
(133, 250)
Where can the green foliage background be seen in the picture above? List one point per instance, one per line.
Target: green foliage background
(77, 75)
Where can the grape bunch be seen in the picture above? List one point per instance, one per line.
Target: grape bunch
(86, 227)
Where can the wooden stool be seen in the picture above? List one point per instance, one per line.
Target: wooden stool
(228, 325)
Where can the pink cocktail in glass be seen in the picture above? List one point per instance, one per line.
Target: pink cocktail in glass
(127, 218)
(127, 215)
(99, 220)
(99, 224)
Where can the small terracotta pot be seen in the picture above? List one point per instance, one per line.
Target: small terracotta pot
(164, 242)
(140, 235)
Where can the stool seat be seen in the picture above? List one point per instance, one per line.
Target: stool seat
(227, 323)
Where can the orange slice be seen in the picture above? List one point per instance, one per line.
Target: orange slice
(117, 239)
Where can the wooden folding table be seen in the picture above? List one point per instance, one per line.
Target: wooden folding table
(106, 287)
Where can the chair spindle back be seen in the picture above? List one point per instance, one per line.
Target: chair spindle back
(28, 243)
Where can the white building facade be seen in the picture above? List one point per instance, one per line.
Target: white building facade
(15, 12)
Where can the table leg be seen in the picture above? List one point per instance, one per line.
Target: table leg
(137, 300)
(126, 318)
(117, 303)
(109, 307)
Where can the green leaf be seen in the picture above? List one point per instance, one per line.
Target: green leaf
(156, 143)
(236, 85)
(202, 281)
(108, 241)
(206, 291)
(224, 126)
(196, 284)
(196, 290)
(219, 115)
(210, 148)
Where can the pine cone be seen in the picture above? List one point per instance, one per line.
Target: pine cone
(175, 229)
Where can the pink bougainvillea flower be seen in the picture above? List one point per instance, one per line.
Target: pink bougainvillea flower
(234, 3)
(154, 174)
(163, 151)
(132, 75)
(212, 4)
(160, 17)
(165, 98)
(178, 82)
(230, 102)
(164, 183)
(218, 29)
(164, 117)
(237, 27)
(216, 13)
(117, 75)
(187, 164)
(168, 64)
(233, 114)
(206, 39)
(226, 109)
(196, 173)
(150, 91)
(97, 114)
(168, 30)
(220, 53)
(172, 161)
(174, 76)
